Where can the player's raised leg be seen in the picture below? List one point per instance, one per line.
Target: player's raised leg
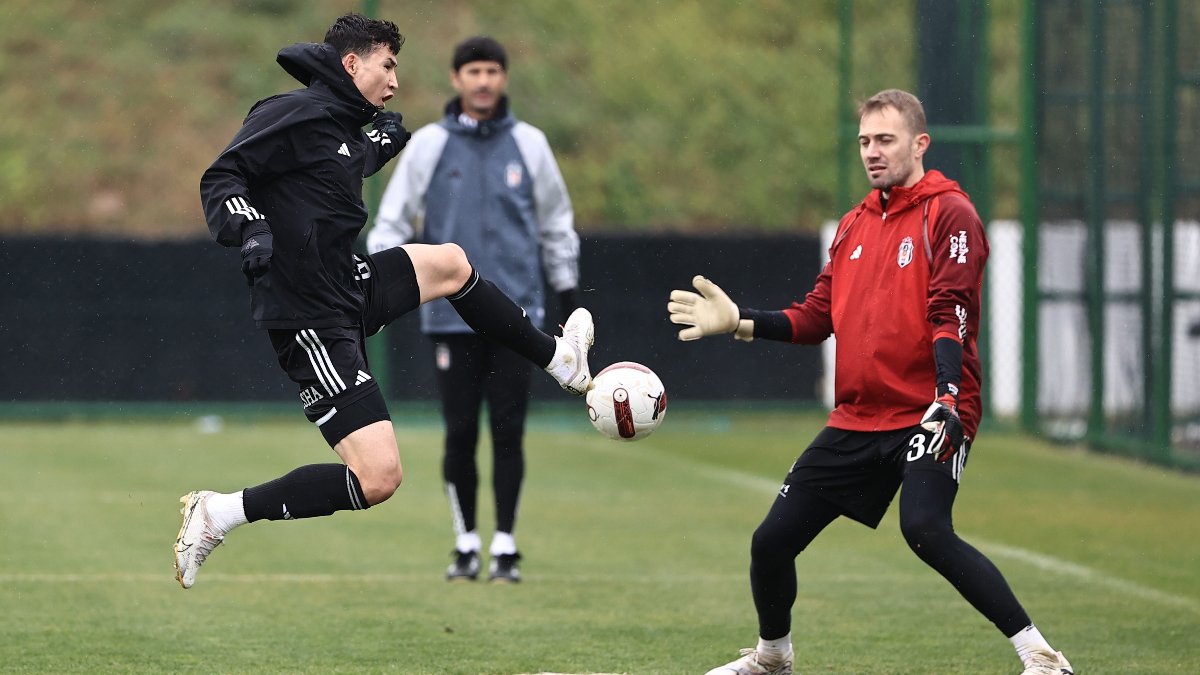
(443, 271)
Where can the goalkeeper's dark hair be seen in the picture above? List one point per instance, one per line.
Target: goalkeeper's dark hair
(906, 104)
(360, 35)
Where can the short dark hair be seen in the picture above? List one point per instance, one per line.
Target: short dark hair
(359, 34)
(479, 48)
(906, 104)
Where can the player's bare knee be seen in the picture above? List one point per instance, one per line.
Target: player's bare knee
(381, 484)
(454, 264)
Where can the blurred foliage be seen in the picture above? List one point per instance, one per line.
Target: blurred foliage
(664, 114)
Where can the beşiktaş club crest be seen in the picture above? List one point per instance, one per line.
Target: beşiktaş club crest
(512, 175)
(906, 252)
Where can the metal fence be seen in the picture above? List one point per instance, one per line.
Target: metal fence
(1106, 306)
(1116, 263)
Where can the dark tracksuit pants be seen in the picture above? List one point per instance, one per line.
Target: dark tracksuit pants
(470, 371)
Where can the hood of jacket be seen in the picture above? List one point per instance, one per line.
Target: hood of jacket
(318, 66)
(902, 198)
(502, 120)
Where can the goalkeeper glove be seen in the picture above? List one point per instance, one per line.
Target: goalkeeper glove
(941, 419)
(388, 122)
(256, 250)
(710, 312)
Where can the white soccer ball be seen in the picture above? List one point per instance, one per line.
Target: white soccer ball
(628, 401)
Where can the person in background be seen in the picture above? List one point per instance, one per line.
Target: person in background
(901, 291)
(488, 182)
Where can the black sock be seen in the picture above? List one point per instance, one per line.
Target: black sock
(307, 492)
(493, 315)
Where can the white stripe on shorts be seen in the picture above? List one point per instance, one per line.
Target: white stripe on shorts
(327, 416)
(321, 363)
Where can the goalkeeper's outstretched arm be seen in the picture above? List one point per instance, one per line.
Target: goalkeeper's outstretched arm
(712, 312)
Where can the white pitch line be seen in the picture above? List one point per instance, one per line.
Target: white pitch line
(366, 578)
(645, 451)
(1087, 575)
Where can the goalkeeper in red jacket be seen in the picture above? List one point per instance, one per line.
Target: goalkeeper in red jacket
(901, 292)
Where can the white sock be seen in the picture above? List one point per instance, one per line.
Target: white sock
(1030, 640)
(775, 651)
(467, 542)
(562, 364)
(226, 511)
(503, 543)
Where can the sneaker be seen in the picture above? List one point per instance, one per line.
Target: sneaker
(1047, 663)
(197, 537)
(750, 665)
(570, 366)
(503, 569)
(465, 566)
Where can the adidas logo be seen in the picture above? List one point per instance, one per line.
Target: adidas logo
(857, 253)
(344, 150)
(362, 377)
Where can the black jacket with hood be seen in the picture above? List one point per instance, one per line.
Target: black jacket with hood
(297, 165)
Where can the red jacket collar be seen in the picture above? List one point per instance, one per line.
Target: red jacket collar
(901, 198)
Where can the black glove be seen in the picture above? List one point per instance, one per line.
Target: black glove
(568, 301)
(388, 122)
(941, 418)
(256, 250)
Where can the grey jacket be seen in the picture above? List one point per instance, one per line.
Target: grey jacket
(494, 189)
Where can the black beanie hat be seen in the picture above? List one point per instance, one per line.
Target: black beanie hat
(479, 48)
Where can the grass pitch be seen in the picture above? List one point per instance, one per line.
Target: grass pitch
(635, 558)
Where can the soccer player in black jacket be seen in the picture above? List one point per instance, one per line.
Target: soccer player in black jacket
(288, 191)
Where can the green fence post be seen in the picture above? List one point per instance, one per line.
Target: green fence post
(1029, 210)
(1166, 329)
(845, 113)
(1096, 215)
(1145, 200)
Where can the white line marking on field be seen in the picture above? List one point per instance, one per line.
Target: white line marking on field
(645, 451)
(368, 578)
(1086, 574)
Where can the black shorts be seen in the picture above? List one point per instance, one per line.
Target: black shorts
(860, 471)
(329, 365)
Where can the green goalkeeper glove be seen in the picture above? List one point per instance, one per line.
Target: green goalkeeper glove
(710, 312)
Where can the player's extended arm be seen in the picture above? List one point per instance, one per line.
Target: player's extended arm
(709, 312)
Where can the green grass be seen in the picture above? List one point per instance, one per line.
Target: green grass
(636, 558)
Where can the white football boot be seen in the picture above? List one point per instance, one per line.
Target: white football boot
(569, 367)
(750, 665)
(197, 537)
(1047, 663)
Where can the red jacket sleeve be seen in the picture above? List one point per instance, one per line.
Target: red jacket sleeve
(959, 250)
(811, 320)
